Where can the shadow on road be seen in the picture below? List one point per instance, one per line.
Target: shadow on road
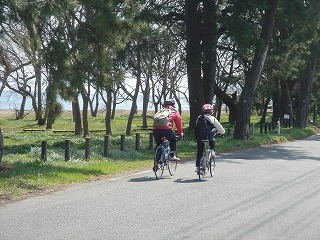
(142, 179)
(187, 180)
(147, 179)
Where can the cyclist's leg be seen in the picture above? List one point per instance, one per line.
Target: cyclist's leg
(158, 134)
(158, 168)
(200, 149)
(212, 142)
(171, 136)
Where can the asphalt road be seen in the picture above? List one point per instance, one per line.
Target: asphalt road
(271, 192)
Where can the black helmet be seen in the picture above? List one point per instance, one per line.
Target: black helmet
(168, 102)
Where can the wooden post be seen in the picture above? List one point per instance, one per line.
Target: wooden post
(122, 142)
(44, 148)
(87, 151)
(137, 142)
(67, 150)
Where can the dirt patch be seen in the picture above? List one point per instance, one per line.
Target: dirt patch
(7, 112)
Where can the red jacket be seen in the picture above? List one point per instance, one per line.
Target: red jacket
(174, 118)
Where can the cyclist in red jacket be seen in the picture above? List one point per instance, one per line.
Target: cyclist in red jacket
(166, 131)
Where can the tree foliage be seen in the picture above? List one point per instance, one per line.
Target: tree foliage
(244, 54)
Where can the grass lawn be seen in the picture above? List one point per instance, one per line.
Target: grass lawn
(24, 173)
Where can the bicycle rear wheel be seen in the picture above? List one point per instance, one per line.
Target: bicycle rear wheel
(158, 167)
(202, 171)
(212, 166)
(172, 166)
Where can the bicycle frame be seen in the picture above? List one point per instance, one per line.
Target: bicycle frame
(207, 162)
(161, 159)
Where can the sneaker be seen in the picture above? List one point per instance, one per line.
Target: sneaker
(173, 158)
(212, 153)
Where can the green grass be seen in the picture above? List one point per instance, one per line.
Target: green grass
(27, 174)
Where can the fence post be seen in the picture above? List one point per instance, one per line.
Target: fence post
(252, 128)
(87, 150)
(265, 128)
(137, 142)
(278, 126)
(261, 128)
(122, 142)
(44, 148)
(150, 140)
(67, 150)
(106, 146)
(229, 132)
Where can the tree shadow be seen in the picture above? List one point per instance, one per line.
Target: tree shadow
(276, 152)
(25, 169)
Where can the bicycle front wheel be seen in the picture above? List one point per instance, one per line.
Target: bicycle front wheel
(212, 166)
(158, 167)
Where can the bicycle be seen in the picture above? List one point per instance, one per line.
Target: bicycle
(207, 162)
(161, 159)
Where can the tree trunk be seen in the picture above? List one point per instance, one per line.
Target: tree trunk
(50, 103)
(306, 85)
(276, 103)
(193, 59)
(76, 116)
(114, 105)
(265, 109)
(85, 113)
(146, 95)
(252, 79)
(39, 110)
(286, 102)
(209, 42)
(108, 111)
(20, 113)
(1, 145)
(231, 102)
(135, 95)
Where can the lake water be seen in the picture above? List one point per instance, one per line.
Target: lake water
(12, 100)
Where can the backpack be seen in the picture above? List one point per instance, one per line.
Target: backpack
(203, 127)
(161, 118)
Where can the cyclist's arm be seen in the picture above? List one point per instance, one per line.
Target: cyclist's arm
(216, 124)
(178, 122)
